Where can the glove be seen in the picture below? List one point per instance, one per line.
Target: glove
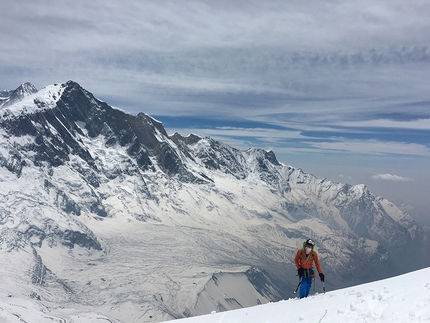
(322, 277)
(300, 272)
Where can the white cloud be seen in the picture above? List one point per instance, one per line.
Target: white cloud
(373, 147)
(392, 177)
(418, 124)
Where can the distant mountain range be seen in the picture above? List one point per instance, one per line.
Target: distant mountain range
(103, 209)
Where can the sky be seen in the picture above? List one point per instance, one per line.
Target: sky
(340, 89)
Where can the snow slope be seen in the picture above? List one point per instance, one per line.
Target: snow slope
(48, 95)
(404, 298)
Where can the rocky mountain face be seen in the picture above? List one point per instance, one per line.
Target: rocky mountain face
(118, 216)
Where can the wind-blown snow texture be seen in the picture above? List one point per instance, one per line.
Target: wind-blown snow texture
(103, 210)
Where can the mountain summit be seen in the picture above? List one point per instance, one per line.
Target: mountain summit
(102, 208)
(10, 97)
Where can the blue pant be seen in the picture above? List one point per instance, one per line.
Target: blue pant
(305, 287)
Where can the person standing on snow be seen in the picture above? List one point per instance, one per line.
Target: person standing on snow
(304, 258)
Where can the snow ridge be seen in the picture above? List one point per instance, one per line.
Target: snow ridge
(11, 97)
(27, 100)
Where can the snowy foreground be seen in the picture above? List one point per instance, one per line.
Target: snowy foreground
(405, 298)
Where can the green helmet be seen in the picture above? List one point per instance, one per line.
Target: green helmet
(309, 242)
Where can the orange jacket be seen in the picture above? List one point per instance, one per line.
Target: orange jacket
(303, 261)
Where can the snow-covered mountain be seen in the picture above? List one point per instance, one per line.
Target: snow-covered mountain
(11, 97)
(104, 209)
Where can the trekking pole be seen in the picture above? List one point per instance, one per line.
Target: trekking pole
(314, 283)
(323, 287)
(297, 288)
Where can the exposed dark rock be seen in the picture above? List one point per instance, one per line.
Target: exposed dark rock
(72, 238)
